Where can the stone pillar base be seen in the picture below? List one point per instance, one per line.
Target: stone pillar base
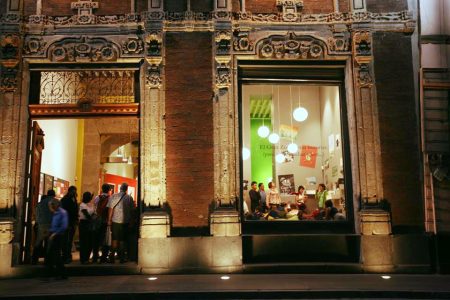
(6, 247)
(376, 241)
(225, 222)
(155, 224)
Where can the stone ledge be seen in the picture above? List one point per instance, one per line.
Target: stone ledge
(225, 223)
(155, 225)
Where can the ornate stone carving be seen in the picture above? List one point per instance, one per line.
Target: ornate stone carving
(34, 45)
(291, 46)
(364, 76)
(362, 43)
(339, 42)
(223, 42)
(289, 9)
(82, 20)
(153, 76)
(335, 17)
(9, 62)
(84, 7)
(223, 72)
(10, 18)
(133, 46)
(241, 41)
(84, 49)
(153, 43)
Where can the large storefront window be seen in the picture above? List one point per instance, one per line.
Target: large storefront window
(292, 152)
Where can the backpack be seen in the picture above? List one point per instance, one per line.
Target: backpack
(102, 210)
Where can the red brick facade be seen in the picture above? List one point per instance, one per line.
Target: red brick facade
(344, 5)
(106, 7)
(378, 6)
(310, 6)
(189, 127)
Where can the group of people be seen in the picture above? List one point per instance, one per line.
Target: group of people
(267, 205)
(104, 225)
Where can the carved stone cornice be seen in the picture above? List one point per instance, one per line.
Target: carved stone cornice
(83, 48)
(291, 46)
(82, 20)
(153, 51)
(362, 54)
(223, 72)
(10, 18)
(84, 109)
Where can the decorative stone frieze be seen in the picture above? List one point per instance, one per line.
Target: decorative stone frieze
(84, 49)
(223, 72)
(153, 43)
(34, 45)
(153, 75)
(133, 45)
(223, 42)
(83, 20)
(291, 47)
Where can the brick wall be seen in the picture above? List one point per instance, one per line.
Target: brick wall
(309, 6)
(189, 128)
(141, 5)
(106, 7)
(344, 5)
(378, 6)
(398, 127)
(3, 7)
(29, 7)
(236, 4)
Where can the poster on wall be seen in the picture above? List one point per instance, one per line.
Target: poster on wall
(288, 132)
(308, 156)
(48, 183)
(286, 184)
(60, 186)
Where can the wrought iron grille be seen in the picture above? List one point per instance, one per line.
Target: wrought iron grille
(96, 87)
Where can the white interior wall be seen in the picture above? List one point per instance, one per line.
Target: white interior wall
(323, 120)
(331, 127)
(59, 157)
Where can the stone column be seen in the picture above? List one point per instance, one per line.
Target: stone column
(375, 223)
(154, 223)
(225, 220)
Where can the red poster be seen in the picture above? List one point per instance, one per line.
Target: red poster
(308, 156)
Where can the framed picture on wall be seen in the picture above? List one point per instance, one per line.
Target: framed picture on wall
(48, 183)
(286, 184)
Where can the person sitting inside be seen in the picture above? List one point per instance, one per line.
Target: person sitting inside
(302, 215)
(331, 212)
(273, 213)
(301, 194)
(293, 212)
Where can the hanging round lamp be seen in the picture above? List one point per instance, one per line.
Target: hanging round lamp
(279, 158)
(263, 131)
(274, 138)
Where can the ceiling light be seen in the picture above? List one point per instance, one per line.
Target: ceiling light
(292, 148)
(300, 114)
(274, 138)
(263, 131)
(279, 158)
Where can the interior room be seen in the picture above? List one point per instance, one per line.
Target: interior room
(292, 137)
(89, 152)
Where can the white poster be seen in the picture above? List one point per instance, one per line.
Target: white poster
(331, 143)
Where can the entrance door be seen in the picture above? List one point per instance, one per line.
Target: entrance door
(33, 182)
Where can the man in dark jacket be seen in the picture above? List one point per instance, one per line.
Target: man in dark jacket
(70, 205)
(255, 196)
(57, 231)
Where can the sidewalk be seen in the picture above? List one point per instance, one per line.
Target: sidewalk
(239, 286)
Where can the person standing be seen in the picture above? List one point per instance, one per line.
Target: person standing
(59, 226)
(43, 221)
(120, 211)
(255, 197)
(321, 195)
(273, 196)
(101, 210)
(69, 204)
(262, 194)
(86, 234)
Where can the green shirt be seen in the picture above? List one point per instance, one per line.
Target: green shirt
(321, 197)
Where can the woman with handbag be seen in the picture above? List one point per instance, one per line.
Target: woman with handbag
(86, 213)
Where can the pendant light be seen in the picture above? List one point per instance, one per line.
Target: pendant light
(279, 158)
(292, 147)
(300, 113)
(274, 138)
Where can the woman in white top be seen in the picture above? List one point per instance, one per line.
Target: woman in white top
(85, 214)
(273, 196)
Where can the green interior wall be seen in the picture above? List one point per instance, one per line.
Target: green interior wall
(261, 152)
